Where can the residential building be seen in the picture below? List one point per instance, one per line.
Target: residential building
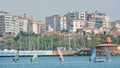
(21, 23)
(6, 23)
(70, 16)
(101, 20)
(57, 22)
(45, 28)
(83, 16)
(34, 27)
(75, 25)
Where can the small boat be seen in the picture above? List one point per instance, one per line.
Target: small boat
(61, 59)
(34, 57)
(16, 58)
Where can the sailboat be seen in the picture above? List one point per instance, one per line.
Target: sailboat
(60, 55)
(16, 58)
(34, 57)
(93, 57)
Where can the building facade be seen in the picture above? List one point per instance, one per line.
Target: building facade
(57, 22)
(21, 23)
(6, 23)
(70, 16)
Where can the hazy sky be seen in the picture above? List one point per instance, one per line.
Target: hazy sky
(42, 8)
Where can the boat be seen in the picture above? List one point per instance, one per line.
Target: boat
(16, 58)
(93, 57)
(61, 59)
(34, 57)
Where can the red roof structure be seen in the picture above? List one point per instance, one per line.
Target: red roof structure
(108, 43)
(108, 39)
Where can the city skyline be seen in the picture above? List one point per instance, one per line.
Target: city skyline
(43, 8)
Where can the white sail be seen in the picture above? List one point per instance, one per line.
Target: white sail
(34, 57)
(60, 55)
(16, 58)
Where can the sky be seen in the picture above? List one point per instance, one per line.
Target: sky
(43, 8)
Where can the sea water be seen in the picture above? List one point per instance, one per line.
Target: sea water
(53, 62)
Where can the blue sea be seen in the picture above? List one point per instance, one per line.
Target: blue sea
(53, 62)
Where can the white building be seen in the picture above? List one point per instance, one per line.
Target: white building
(33, 27)
(70, 16)
(57, 22)
(83, 16)
(21, 23)
(6, 23)
(76, 24)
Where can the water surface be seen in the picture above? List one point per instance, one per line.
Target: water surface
(53, 62)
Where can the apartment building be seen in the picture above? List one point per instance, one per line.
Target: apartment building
(21, 23)
(33, 27)
(101, 20)
(70, 16)
(6, 23)
(57, 22)
(76, 25)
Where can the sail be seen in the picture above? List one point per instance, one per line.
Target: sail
(93, 56)
(34, 56)
(16, 58)
(60, 55)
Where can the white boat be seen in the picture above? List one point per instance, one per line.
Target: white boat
(60, 55)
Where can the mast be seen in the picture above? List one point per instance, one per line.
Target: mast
(20, 40)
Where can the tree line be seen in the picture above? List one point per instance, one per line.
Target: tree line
(32, 41)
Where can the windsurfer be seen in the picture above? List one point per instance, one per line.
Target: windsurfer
(31, 60)
(16, 58)
(61, 60)
(90, 59)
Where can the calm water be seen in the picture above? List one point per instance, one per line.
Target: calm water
(53, 62)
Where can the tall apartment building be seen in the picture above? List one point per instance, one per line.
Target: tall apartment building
(57, 22)
(6, 23)
(70, 16)
(21, 23)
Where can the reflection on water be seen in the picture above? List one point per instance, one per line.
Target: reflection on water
(53, 62)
